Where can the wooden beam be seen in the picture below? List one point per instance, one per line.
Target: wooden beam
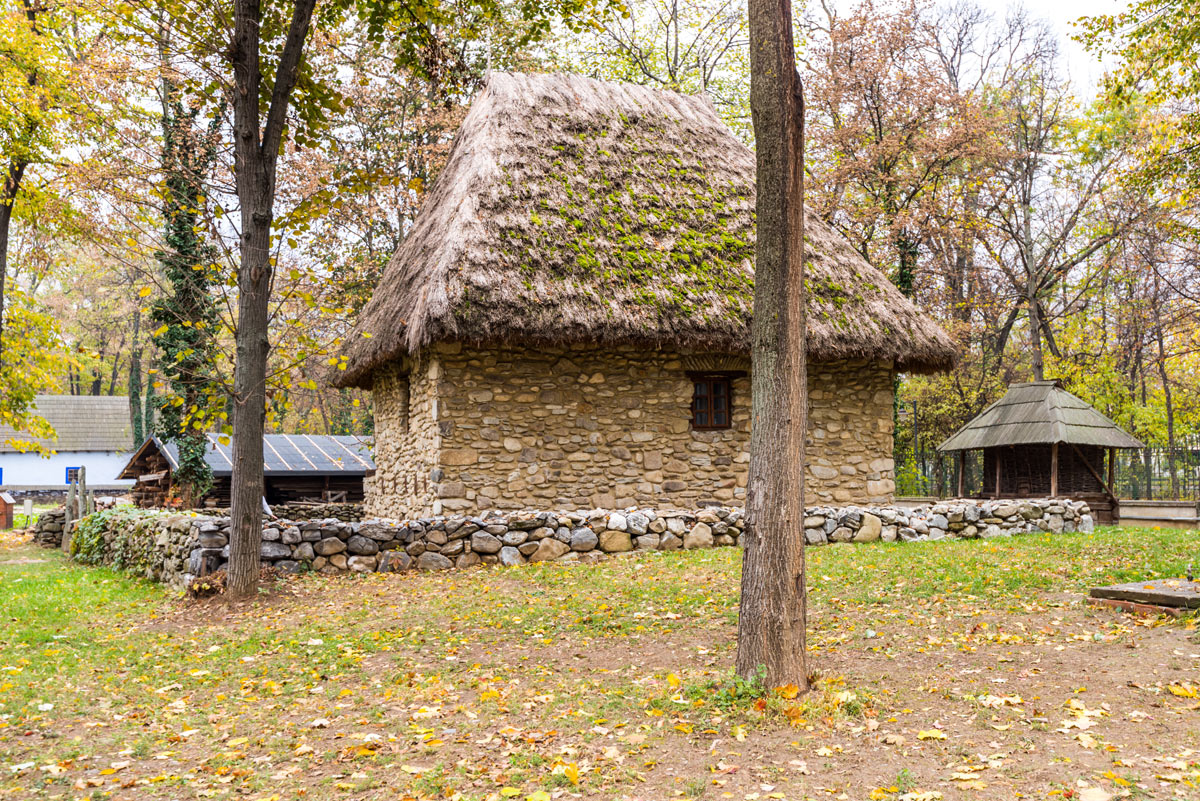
(159, 476)
(1095, 473)
(962, 469)
(999, 451)
(1054, 470)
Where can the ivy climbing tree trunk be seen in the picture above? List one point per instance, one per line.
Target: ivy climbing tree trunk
(256, 153)
(185, 315)
(771, 618)
(135, 383)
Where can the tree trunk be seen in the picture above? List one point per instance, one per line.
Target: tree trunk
(255, 194)
(771, 619)
(255, 157)
(135, 382)
(14, 173)
(8, 198)
(1166, 385)
(1035, 338)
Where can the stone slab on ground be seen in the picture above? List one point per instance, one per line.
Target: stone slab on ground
(1177, 593)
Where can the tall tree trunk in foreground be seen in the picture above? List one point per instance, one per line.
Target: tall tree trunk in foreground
(771, 621)
(256, 154)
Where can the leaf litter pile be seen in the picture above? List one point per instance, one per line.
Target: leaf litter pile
(947, 670)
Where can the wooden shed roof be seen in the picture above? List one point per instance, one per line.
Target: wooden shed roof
(283, 454)
(1039, 412)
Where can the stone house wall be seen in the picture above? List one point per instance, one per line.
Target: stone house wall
(576, 428)
(406, 439)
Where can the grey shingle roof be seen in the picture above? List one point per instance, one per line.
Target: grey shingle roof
(82, 422)
(1039, 412)
(315, 454)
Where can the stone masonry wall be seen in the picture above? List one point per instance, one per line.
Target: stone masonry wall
(175, 548)
(601, 428)
(406, 440)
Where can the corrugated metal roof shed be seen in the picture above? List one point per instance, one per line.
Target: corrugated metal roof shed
(314, 454)
(1039, 412)
(82, 422)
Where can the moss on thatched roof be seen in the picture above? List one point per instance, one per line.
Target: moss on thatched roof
(573, 210)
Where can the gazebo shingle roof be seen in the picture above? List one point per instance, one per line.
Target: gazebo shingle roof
(573, 210)
(1039, 412)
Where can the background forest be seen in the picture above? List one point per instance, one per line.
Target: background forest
(1049, 226)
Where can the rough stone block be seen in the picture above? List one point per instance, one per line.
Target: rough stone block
(548, 550)
(433, 561)
(272, 551)
(583, 539)
(511, 557)
(361, 564)
(329, 546)
(870, 529)
(361, 546)
(615, 541)
(700, 536)
(484, 543)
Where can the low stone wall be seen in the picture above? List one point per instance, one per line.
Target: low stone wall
(48, 529)
(956, 519)
(346, 512)
(157, 545)
(175, 548)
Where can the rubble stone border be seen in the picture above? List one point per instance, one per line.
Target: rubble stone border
(175, 548)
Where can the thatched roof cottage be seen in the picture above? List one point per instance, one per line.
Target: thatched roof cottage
(567, 323)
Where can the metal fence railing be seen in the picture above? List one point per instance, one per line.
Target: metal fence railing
(1148, 474)
(1160, 473)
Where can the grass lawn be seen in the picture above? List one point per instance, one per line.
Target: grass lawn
(952, 670)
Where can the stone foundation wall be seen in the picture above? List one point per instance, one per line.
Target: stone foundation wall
(602, 428)
(175, 548)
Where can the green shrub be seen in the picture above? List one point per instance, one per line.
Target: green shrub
(123, 537)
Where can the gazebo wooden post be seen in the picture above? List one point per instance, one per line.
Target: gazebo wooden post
(999, 453)
(962, 469)
(1054, 470)
(1112, 471)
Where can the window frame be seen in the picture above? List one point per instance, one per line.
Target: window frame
(67, 473)
(712, 380)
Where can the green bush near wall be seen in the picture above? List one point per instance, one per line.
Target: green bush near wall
(123, 538)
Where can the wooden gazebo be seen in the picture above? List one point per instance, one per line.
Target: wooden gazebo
(1041, 441)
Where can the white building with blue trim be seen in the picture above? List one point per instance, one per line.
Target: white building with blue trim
(93, 431)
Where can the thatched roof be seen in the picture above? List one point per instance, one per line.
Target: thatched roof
(1039, 412)
(573, 210)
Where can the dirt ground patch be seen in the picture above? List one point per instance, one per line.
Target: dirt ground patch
(938, 675)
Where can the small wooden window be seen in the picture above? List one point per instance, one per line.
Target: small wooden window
(711, 406)
(72, 475)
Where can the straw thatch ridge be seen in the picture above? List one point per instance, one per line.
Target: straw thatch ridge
(573, 210)
(1039, 412)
